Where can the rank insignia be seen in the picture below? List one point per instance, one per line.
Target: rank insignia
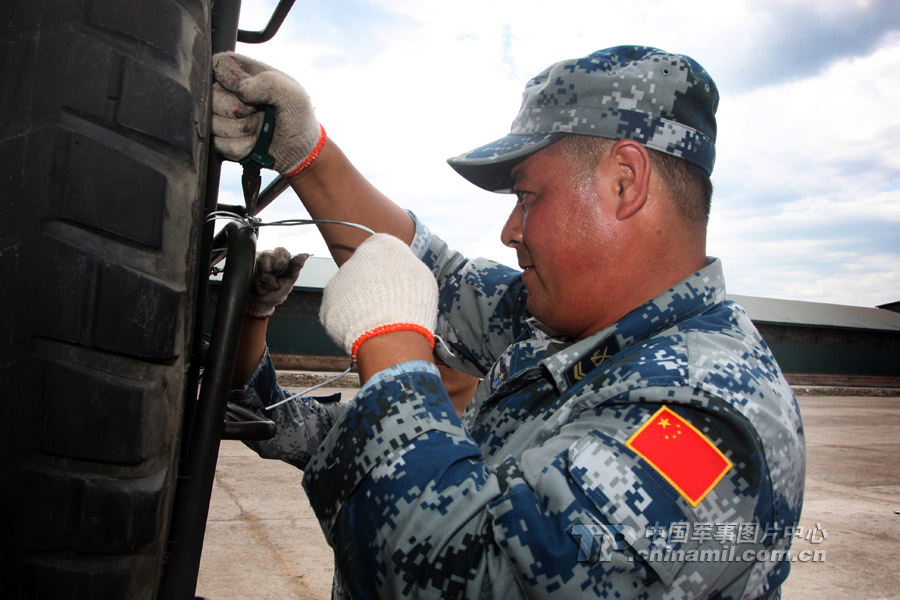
(595, 357)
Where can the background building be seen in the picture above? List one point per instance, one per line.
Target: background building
(815, 343)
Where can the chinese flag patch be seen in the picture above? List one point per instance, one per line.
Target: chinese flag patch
(681, 454)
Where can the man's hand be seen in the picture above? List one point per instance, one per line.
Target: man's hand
(275, 274)
(242, 86)
(382, 288)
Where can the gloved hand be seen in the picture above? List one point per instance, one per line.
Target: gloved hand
(382, 288)
(243, 85)
(273, 278)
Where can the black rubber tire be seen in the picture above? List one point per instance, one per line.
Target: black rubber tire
(104, 111)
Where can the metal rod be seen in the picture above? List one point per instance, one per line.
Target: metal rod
(195, 480)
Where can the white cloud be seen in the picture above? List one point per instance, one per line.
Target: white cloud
(807, 184)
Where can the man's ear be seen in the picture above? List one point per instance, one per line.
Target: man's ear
(632, 161)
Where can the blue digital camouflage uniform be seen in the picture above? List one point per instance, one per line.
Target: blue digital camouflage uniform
(538, 494)
(302, 424)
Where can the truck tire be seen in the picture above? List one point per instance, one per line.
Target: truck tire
(104, 112)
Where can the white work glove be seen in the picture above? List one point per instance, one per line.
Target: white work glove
(382, 288)
(243, 86)
(273, 278)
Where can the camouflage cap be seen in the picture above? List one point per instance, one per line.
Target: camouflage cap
(665, 101)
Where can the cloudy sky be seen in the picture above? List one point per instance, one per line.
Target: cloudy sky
(807, 178)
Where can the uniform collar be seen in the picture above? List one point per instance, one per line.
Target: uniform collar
(692, 296)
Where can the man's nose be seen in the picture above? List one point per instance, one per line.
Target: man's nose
(512, 230)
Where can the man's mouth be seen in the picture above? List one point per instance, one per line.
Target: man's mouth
(525, 262)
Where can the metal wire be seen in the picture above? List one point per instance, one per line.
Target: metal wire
(308, 390)
(256, 222)
(291, 222)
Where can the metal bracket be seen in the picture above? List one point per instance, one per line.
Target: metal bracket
(243, 424)
(278, 16)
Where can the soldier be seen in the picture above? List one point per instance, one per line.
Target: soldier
(625, 402)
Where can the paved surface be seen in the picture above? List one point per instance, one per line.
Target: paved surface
(262, 541)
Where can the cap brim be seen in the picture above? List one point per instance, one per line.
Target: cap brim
(489, 166)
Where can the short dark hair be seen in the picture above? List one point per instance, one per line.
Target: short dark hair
(689, 185)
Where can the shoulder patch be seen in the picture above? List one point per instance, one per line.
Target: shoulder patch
(680, 452)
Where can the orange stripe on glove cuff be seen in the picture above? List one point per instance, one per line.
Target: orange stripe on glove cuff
(312, 155)
(382, 288)
(390, 329)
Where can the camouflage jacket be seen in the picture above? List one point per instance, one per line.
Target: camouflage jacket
(661, 457)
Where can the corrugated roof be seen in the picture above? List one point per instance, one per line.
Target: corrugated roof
(817, 314)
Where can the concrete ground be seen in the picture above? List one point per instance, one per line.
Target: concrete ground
(263, 542)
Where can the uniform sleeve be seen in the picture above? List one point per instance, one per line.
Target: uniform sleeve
(482, 304)
(413, 511)
(301, 423)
